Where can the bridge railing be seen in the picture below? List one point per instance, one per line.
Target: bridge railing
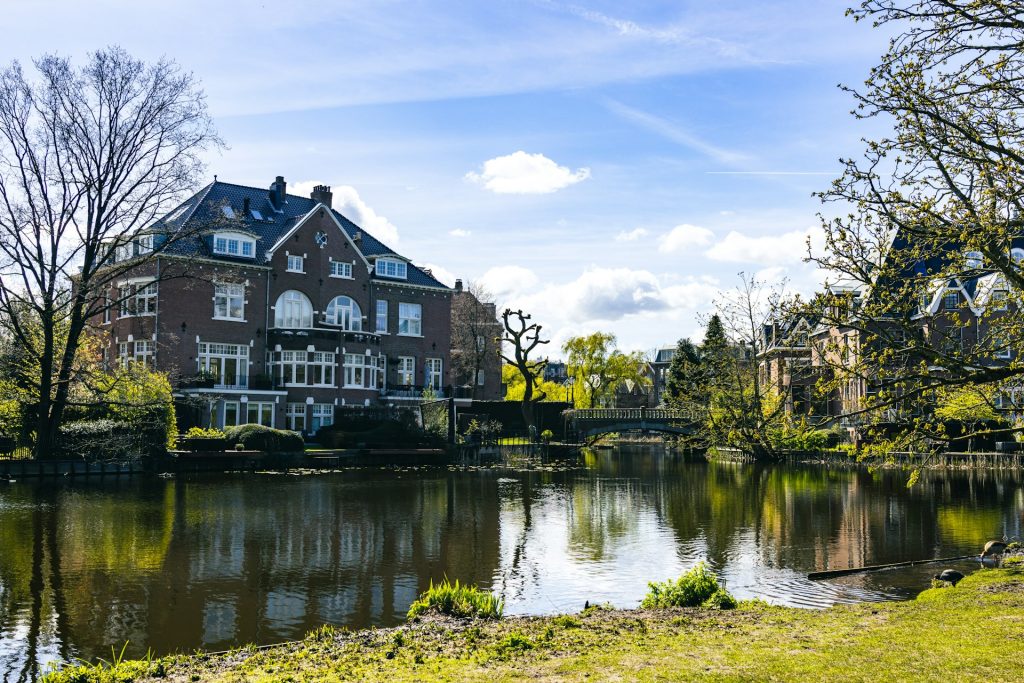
(634, 414)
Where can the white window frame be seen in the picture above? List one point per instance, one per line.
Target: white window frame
(289, 367)
(233, 244)
(946, 297)
(433, 373)
(123, 354)
(341, 269)
(406, 371)
(1000, 299)
(144, 245)
(293, 310)
(216, 357)
(224, 294)
(295, 263)
(143, 352)
(293, 413)
(392, 268)
(351, 316)
(381, 319)
(410, 320)
(321, 415)
(321, 369)
(359, 371)
(261, 410)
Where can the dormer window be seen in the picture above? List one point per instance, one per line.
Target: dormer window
(391, 268)
(233, 244)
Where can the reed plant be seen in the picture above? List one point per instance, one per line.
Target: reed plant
(458, 600)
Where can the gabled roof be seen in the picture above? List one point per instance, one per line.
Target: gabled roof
(203, 211)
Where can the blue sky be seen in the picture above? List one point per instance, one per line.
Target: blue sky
(606, 166)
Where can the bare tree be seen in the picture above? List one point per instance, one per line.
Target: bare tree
(89, 157)
(476, 334)
(524, 337)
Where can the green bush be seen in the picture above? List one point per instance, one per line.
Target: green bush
(456, 600)
(376, 434)
(697, 587)
(109, 440)
(256, 437)
(200, 432)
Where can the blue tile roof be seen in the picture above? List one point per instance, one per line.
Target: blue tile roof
(202, 211)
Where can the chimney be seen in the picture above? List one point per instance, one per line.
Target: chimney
(277, 192)
(323, 194)
(458, 285)
(245, 206)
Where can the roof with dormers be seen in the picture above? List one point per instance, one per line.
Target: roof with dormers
(203, 213)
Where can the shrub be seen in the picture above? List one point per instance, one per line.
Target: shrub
(256, 437)
(697, 587)
(108, 440)
(200, 432)
(456, 600)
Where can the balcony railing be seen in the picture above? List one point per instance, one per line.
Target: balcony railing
(411, 391)
(280, 335)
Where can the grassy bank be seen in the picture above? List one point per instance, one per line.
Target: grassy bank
(974, 631)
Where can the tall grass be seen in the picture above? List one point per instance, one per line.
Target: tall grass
(696, 588)
(458, 600)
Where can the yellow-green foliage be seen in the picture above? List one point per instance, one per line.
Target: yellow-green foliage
(696, 588)
(458, 600)
(515, 386)
(204, 433)
(139, 395)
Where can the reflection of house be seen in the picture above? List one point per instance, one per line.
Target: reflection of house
(281, 310)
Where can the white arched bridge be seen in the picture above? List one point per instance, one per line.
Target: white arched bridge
(587, 424)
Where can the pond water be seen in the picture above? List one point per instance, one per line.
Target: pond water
(218, 561)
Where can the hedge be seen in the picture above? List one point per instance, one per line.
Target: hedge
(256, 437)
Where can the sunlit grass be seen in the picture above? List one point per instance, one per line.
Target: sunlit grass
(458, 600)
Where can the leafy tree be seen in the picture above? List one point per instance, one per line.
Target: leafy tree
(89, 156)
(934, 204)
(524, 337)
(686, 380)
(515, 386)
(597, 368)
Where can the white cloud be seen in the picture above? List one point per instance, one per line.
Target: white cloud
(522, 173)
(683, 236)
(506, 281)
(631, 236)
(769, 250)
(348, 202)
(441, 273)
(459, 232)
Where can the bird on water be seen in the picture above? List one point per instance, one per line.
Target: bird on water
(949, 576)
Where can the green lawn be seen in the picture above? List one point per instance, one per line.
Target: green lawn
(972, 632)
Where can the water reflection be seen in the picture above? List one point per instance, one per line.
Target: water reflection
(215, 562)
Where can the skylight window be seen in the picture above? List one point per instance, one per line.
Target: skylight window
(256, 214)
(228, 211)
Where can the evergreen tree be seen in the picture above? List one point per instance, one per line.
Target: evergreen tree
(686, 380)
(715, 351)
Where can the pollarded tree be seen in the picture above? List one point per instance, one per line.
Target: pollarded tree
(597, 367)
(524, 337)
(930, 210)
(89, 157)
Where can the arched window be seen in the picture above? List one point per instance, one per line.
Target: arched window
(1017, 254)
(293, 309)
(974, 259)
(345, 313)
